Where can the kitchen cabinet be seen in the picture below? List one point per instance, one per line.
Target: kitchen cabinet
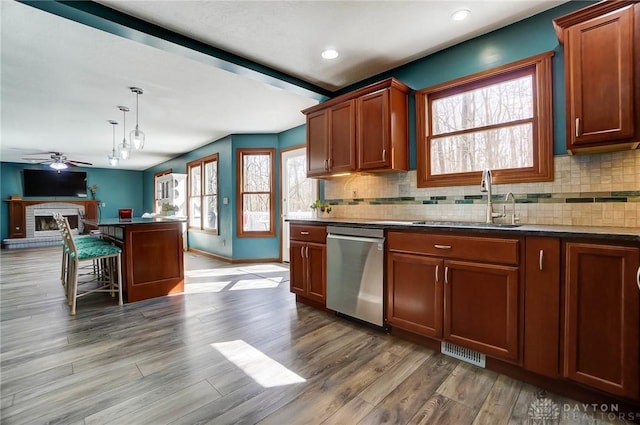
(364, 130)
(17, 225)
(331, 141)
(602, 78)
(601, 316)
(463, 289)
(542, 306)
(171, 189)
(307, 263)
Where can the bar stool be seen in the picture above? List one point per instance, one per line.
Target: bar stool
(107, 280)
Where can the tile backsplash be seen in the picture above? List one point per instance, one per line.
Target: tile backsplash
(588, 190)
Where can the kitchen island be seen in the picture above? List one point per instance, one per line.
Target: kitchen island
(152, 258)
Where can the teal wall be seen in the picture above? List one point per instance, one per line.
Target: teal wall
(523, 39)
(117, 189)
(293, 137)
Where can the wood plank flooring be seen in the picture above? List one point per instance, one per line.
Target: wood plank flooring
(234, 348)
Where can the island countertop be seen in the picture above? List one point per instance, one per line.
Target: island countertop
(136, 220)
(152, 252)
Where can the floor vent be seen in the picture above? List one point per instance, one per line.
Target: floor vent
(463, 354)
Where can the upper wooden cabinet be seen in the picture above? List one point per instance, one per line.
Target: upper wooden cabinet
(602, 78)
(365, 130)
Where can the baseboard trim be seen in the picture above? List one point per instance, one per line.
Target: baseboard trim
(234, 260)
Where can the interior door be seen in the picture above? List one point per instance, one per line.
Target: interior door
(298, 192)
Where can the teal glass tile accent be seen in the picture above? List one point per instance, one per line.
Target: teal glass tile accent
(578, 200)
(353, 203)
(430, 202)
(530, 201)
(538, 195)
(358, 199)
(611, 199)
(626, 193)
(464, 201)
(407, 198)
(438, 198)
(473, 196)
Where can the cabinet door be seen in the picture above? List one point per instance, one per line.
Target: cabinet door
(91, 210)
(342, 145)
(601, 317)
(542, 306)
(481, 307)
(414, 293)
(17, 220)
(373, 142)
(318, 143)
(599, 75)
(316, 259)
(297, 268)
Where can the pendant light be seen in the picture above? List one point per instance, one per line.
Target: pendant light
(114, 158)
(124, 148)
(136, 136)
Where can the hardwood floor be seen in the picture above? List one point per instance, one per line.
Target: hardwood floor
(235, 348)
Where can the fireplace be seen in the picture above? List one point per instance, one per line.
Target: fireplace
(45, 224)
(41, 224)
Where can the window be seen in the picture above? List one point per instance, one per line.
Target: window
(203, 194)
(498, 119)
(256, 193)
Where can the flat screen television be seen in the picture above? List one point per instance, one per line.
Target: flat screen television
(54, 183)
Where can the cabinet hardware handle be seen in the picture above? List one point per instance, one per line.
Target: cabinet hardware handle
(437, 269)
(304, 233)
(326, 164)
(442, 246)
(446, 274)
(638, 277)
(302, 251)
(577, 127)
(541, 258)
(384, 154)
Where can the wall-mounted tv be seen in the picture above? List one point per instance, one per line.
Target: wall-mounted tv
(55, 183)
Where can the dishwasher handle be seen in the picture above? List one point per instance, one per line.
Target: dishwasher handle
(355, 238)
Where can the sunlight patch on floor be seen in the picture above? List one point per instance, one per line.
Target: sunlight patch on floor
(203, 287)
(230, 271)
(255, 284)
(264, 268)
(257, 365)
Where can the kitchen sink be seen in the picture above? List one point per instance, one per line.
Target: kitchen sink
(464, 224)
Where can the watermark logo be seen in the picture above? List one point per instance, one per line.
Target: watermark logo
(544, 411)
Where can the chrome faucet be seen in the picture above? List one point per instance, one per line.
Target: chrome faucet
(485, 186)
(514, 217)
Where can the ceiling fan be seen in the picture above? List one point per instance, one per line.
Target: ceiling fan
(57, 161)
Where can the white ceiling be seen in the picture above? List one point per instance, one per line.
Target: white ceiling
(62, 80)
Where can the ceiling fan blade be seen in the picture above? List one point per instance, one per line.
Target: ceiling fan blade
(69, 164)
(37, 159)
(78, 162)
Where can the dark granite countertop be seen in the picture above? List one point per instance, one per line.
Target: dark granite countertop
(629, 234)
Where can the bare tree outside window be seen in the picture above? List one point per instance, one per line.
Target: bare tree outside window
(498, 119)
(203, 193)
(257, 192)
(300, 188)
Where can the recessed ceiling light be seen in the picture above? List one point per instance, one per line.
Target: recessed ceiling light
(461, 15)
(329, 53)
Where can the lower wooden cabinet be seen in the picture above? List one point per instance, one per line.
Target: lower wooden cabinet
(481, 307)
(474, 304)
(414, 293)
(307, 262)
(601, 317)
(542, 306)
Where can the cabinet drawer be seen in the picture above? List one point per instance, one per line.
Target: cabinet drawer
(475, 248)
(308, 233)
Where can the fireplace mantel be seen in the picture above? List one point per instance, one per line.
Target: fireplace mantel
(17, 212)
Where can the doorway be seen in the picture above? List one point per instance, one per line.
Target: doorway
(298, 191)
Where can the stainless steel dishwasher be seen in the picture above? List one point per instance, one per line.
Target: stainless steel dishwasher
(355, 266)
